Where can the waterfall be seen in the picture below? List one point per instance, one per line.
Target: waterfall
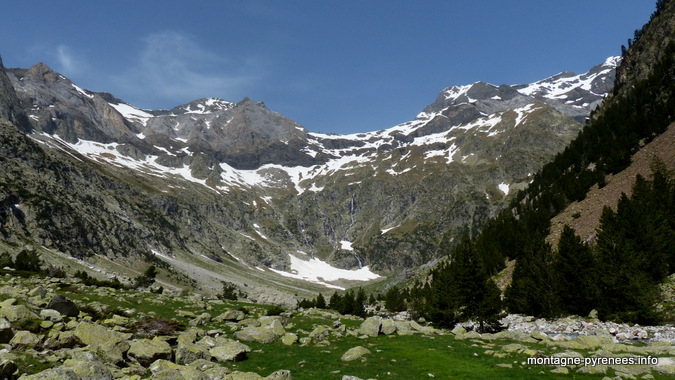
(351, 216)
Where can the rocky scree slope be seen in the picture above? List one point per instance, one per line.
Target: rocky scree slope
(241, 185)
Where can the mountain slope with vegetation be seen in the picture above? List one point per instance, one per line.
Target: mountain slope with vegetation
(619, 274)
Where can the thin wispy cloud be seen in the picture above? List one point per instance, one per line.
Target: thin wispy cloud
(69, 63)
(172, 67)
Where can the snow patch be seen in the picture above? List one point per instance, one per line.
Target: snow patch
(132, 113)
(504, 187)
(320, 272)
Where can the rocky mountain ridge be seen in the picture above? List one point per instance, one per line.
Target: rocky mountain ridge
(242, 186)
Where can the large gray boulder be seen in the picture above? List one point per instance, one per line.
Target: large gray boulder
(187, 353)
(63, 305)
(354, 353)
(146, 351)
(96, 335)
(256, 334)
(89, 369)
(59, 373)
(24, 339)
(231, 351)
(230, 315)
(371, 326)
(388, 326)
(17, 313)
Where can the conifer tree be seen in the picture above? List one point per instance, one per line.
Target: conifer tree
(393, 300)
(320, 302)
(531, 291)
(574, 271)
(626, 292)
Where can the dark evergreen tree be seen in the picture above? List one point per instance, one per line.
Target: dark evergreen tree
(462, 290)
(360, 303)
(320, 302)
(531, 291)
(627, 292)
(335, 301)
(574, 270)
(393, 300)
(28, 261)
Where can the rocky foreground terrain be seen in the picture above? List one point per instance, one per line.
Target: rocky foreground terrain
(62, 329)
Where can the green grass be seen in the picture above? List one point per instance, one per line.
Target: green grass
(396, 357)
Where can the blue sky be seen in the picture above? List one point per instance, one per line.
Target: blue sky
(333, 66)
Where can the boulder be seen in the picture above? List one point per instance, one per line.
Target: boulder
(289, 339)
(230, 315)
(236, 375)
(114, 352)
(50, 315)
(371, 326)
(256, 334)
(162, 365)
(96, 335)
(355, 353)
(59, 373)
(320, 333)
(538, 335)
(63, 339)
(514, 348)
(89, 369)
(203, 318)
(469, 335)
(388, 326)
(232, 351)
(458, 330)
(282, 374)
(187, 353)
(277, 328)
(63, 305)
(24, 338)
(6, 332)
(146, 351)
(7, 368)
(403, 328)
(17, 313)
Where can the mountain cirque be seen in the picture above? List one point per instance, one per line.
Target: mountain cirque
(227, 191)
